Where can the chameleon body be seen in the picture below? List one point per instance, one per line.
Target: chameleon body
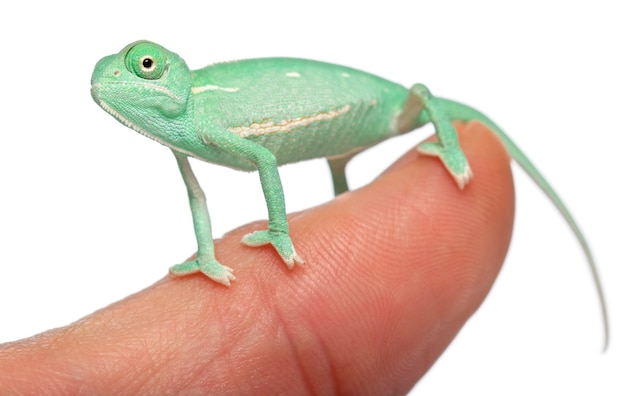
(258, 114)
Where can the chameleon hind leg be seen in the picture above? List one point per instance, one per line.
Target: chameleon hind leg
(337, 167)
(205, 261)
(421, 104)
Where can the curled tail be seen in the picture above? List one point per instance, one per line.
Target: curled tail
(460, 112)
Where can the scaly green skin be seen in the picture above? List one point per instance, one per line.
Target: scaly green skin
(261, 113)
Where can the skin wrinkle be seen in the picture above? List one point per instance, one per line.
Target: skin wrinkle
(307, 380)
(280, 325)
(198, 310)
(357, 313)
(334, 377)
(343, 274)
(310, 286)
(273, 316)
(334, 247)
(260, 321)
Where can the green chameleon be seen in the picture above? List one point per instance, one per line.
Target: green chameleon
(262, 113)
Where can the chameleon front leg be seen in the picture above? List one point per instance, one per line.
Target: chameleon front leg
(205, 261)
(447, 147)
(277, 233)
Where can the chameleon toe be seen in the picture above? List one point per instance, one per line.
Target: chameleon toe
(188, 267)
(209, 267)
(223, 276)
(281, 242)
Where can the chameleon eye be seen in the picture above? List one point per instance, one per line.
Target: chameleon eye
(147, 64)
(146, 60)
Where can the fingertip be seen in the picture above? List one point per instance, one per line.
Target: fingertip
(410, 252)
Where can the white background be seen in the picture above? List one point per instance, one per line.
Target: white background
(91, 211)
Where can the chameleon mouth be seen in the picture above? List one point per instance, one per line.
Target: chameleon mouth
(136, 127)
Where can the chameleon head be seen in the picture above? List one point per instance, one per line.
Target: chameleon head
(148, 89)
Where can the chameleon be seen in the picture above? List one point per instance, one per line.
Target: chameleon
(258, 114)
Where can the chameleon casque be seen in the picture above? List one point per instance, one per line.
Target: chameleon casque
(258, 114)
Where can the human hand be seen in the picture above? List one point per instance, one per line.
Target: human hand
(393, 272)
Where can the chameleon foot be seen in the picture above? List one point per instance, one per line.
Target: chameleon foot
(453, 159)
(281, 242)
(210, 267)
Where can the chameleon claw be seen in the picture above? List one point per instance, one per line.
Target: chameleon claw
(464, 178)
(297, 259)
(225, 279)
(292, 260)
(281, 242)
(453, 159)
(209, 267)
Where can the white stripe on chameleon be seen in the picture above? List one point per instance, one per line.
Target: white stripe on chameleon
(209, 87)
(293, 74)
(143, 85)
(145, 133)
(264, 128)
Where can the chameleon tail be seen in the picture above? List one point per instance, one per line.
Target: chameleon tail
(461, 112)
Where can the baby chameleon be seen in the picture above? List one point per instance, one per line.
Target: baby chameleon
(262, 113)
